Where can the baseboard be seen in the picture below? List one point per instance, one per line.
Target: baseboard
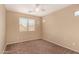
(21, 41)
(61, 45)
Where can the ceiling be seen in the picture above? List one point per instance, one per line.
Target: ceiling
(45, 9)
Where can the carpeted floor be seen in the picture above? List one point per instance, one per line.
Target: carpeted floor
(37, 47)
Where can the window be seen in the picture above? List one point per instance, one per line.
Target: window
(31, 25)
(26, 24)
(76, 13)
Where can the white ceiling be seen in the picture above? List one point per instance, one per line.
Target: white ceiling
(30, 8)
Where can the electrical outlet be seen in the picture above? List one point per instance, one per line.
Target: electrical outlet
(73, 43)
(44, 20)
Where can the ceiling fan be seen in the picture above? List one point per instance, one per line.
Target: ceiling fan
(37, 8)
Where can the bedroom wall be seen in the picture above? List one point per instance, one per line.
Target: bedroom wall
(2, 28)
(13, 33)
(62, 28)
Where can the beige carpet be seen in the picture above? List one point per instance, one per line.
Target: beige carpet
(37, 47)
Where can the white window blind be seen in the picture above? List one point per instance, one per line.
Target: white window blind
(26, 24)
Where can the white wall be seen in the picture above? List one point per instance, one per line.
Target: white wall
(2, 28)
(62, 28)
(13, 33)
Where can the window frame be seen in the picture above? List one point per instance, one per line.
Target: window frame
(27, 25)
